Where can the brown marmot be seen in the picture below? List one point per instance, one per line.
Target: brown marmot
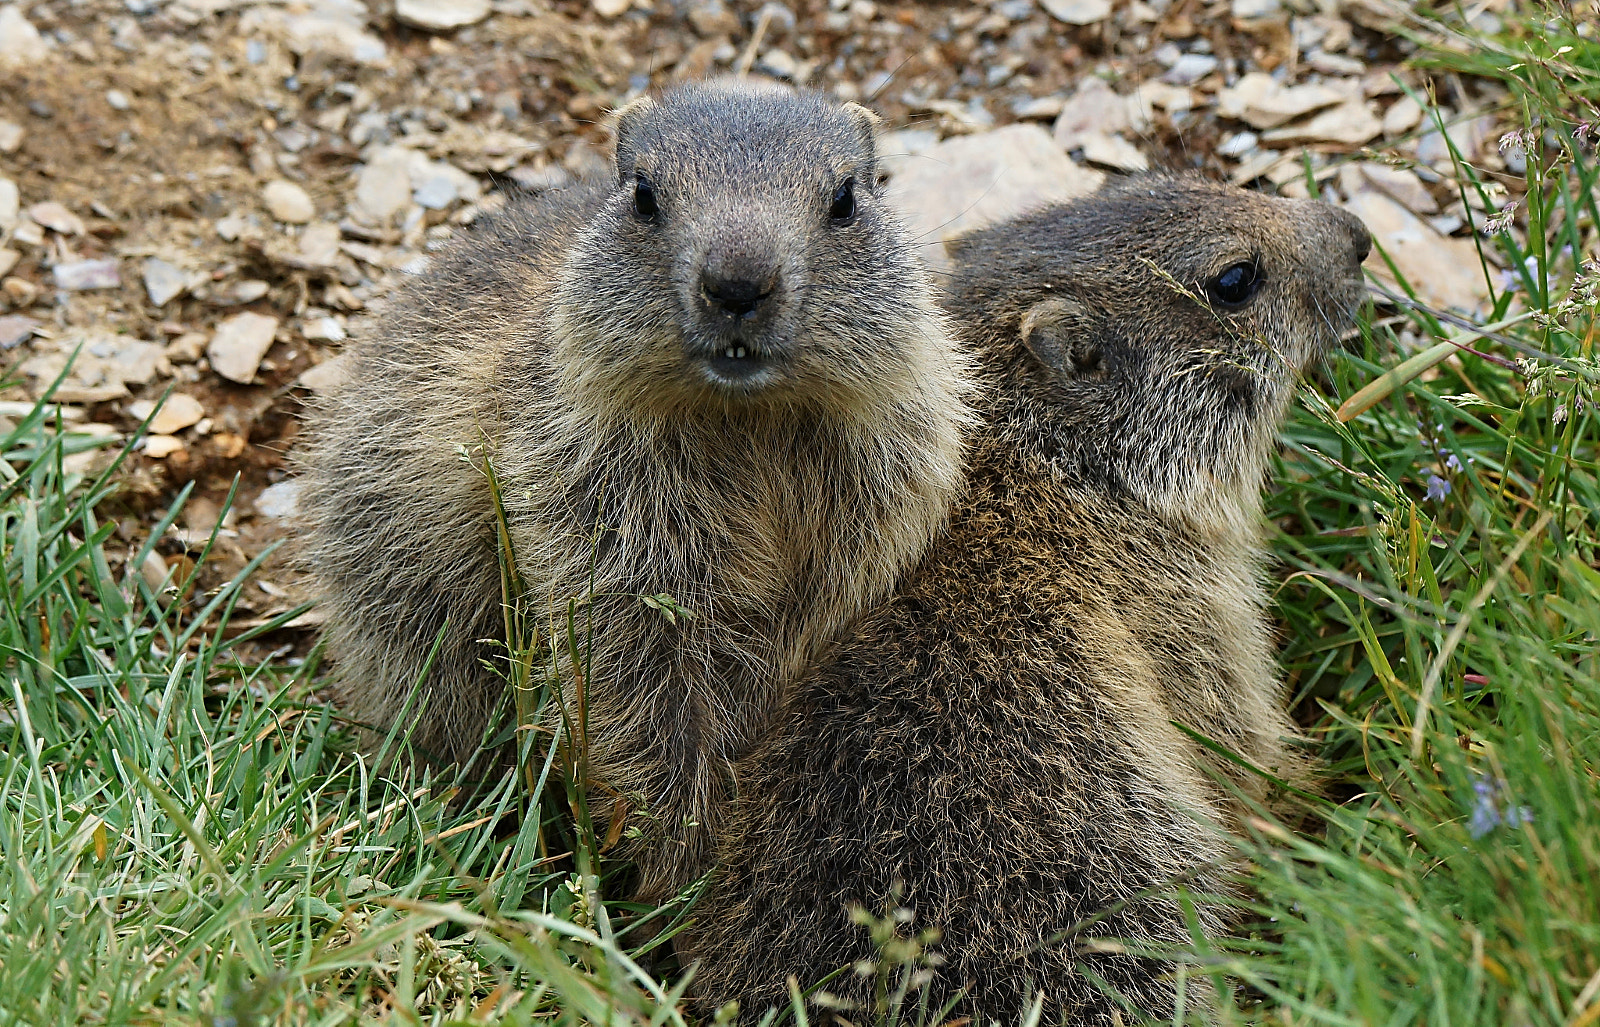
(719, 375)
(992, 748)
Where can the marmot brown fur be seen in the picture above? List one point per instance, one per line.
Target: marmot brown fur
(992, 748)
(720, 375)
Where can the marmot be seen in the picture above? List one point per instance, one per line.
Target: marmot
(719, 375)
(992, 748)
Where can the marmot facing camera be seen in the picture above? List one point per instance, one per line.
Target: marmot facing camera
(719, 375)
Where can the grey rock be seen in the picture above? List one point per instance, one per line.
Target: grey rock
(436, 192)
(1191, 68)
(20, 43)
(281, 501)
(974, 180)
(10, 205)
(384, 186)
(1078, 12)
(57, 218)
(441, 15)
(15, 329)
(81, 275)
(1250, 10)
(163, 281)
(287, 202)
(239, 344)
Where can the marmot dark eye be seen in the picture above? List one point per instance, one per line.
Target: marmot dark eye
(844, 201)
(644, 197)
(1236, 285)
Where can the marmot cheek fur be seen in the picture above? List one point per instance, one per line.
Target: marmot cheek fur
(720, 374)
(994, 744)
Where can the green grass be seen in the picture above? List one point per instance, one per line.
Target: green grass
(186, 836)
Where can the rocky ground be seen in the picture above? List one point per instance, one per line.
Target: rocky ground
(212, 196)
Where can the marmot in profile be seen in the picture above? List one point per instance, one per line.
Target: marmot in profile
(720, 374)
(991, 749)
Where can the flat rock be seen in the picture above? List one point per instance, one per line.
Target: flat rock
(1253, 10)
(319, 244)
(1350, 123)
(323, 329)
(334, 28)
(15, 329)
(81, 275)
(10, 205)
(280, 501)
(1469, 136)
(1261, 101)
(20, 43)
(57, 218)
(1402, 116)
(104, 366)
(135, 362)
(1078, 12)
(180, 411)
(163, 281)
(1190, 68)
(1113, 151)
(327, 375)
(1095, 109)
(161, 446)
(384, 186)
(1397, 183)
(974, 180)
(239, 344)
(1444, 271)
(896, 149)
(287, 202)
(443, 15)
(10, 136)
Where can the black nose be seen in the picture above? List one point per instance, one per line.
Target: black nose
(1360, 238)
(1363, 243)
(738, 297)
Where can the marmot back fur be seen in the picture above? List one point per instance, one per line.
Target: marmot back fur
(720, 374)
(992, 749)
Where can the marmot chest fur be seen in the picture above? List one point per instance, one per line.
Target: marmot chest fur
(719, 375)
(992, 748)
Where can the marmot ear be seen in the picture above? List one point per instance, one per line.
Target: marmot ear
(625, 122)
(1060, 335)
(866, 123)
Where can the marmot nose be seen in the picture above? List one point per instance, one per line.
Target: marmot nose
(737, 297)
(1363, 242)
(1359, 236)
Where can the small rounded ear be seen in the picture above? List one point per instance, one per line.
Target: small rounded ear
(1060, 335)
(625, 124)
(866, 124)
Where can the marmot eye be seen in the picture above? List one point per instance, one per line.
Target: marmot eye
(844, 201)
(1236, 285)
(644, 197)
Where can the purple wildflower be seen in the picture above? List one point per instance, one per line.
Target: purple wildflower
(1438, 488)
(1452, 462)
(1486, 812)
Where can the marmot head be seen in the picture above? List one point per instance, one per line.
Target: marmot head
(744, 256)
(1149, 337)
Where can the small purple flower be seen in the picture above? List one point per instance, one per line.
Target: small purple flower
(1486, 812)
(1452, 462)
(1438, 488)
